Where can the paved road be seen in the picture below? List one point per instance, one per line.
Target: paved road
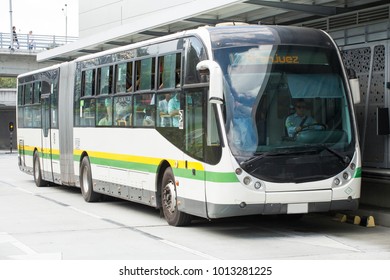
(56, 223)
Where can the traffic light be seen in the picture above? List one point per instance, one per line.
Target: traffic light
(11, 126)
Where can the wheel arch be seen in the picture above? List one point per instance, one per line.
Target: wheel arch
(82, 156)
(160, 173)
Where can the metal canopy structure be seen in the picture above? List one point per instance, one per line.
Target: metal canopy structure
(204, 12)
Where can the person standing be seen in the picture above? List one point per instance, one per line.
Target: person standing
(31, 42)
(14, 39)
(174, 110)
(163, 109)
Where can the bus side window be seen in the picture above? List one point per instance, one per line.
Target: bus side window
(122, 110)
(28, 94)
(28, 97)
(144, 110)
(123, 77)
(195, 53)
(20, 105)
(88, 109)
(169, 71)
(45, 87)
(145, 70)
(104, 112)
(54, 103)
(37, 93)
(163, 118)
(88, 82)
(105, 79)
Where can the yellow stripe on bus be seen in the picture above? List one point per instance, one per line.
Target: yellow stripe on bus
(142, 159)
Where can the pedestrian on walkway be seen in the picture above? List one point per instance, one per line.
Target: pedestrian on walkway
(14, 39)
(31, 42)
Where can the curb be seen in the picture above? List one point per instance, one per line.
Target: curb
(365, 221)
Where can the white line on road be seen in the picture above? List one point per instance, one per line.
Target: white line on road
(29, 251)
(195, 252)
(6, 238)
(85, 212)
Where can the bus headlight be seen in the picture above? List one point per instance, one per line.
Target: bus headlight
(247, 180)
(257, 185)
(337, 181)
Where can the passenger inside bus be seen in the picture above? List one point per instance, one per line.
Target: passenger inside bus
(149, 116)
(173, 109)
(165, 118)
(122, 110)
(107, 119)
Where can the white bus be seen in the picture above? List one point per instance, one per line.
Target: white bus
(199, 123)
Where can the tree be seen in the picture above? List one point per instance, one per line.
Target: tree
(6, 82)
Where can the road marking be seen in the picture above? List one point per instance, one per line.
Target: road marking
(6, 238)
(29, 251)
(322, 241)
(30, 254)
(85, 212)
(23, 190)
(189, 250)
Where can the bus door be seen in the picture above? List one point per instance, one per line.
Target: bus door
(192, 121)
(46, 142)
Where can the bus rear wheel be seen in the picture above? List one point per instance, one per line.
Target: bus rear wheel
(39, 182)
(172, 215)
(86, 185)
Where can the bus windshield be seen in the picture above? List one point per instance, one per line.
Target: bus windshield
(282, 101)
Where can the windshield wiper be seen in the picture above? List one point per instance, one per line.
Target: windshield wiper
(258, 156)
(343, 158)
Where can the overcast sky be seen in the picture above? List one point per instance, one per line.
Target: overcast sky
(43, 17)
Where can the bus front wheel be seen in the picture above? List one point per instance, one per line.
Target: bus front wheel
(173, 216)
(37, 171)
(87, 191)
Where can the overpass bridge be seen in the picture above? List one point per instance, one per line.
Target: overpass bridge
(15, 61)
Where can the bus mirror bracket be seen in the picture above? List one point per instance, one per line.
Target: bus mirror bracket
(354, 85)
(215, 77)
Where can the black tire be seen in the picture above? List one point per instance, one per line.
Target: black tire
(172, 215)
(86, 184)
(39, 182)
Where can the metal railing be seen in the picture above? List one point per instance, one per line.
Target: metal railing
(41, 42)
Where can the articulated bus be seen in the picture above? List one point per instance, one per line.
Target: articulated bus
(199, 124)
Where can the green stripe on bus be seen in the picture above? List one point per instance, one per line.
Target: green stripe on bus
(124, 164)
(45, 154)
(218, 177)
(221, 177)
(358, 173)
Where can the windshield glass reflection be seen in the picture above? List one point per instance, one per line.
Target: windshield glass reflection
(285, 98)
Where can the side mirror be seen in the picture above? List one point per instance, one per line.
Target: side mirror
(211, 68)
(354, 85)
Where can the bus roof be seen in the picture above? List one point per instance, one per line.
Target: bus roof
(56, 66)
(224, 36)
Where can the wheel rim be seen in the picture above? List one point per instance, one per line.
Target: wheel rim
(169, 197)
(85, 179)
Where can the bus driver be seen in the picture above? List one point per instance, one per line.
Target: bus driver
(298, 120)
